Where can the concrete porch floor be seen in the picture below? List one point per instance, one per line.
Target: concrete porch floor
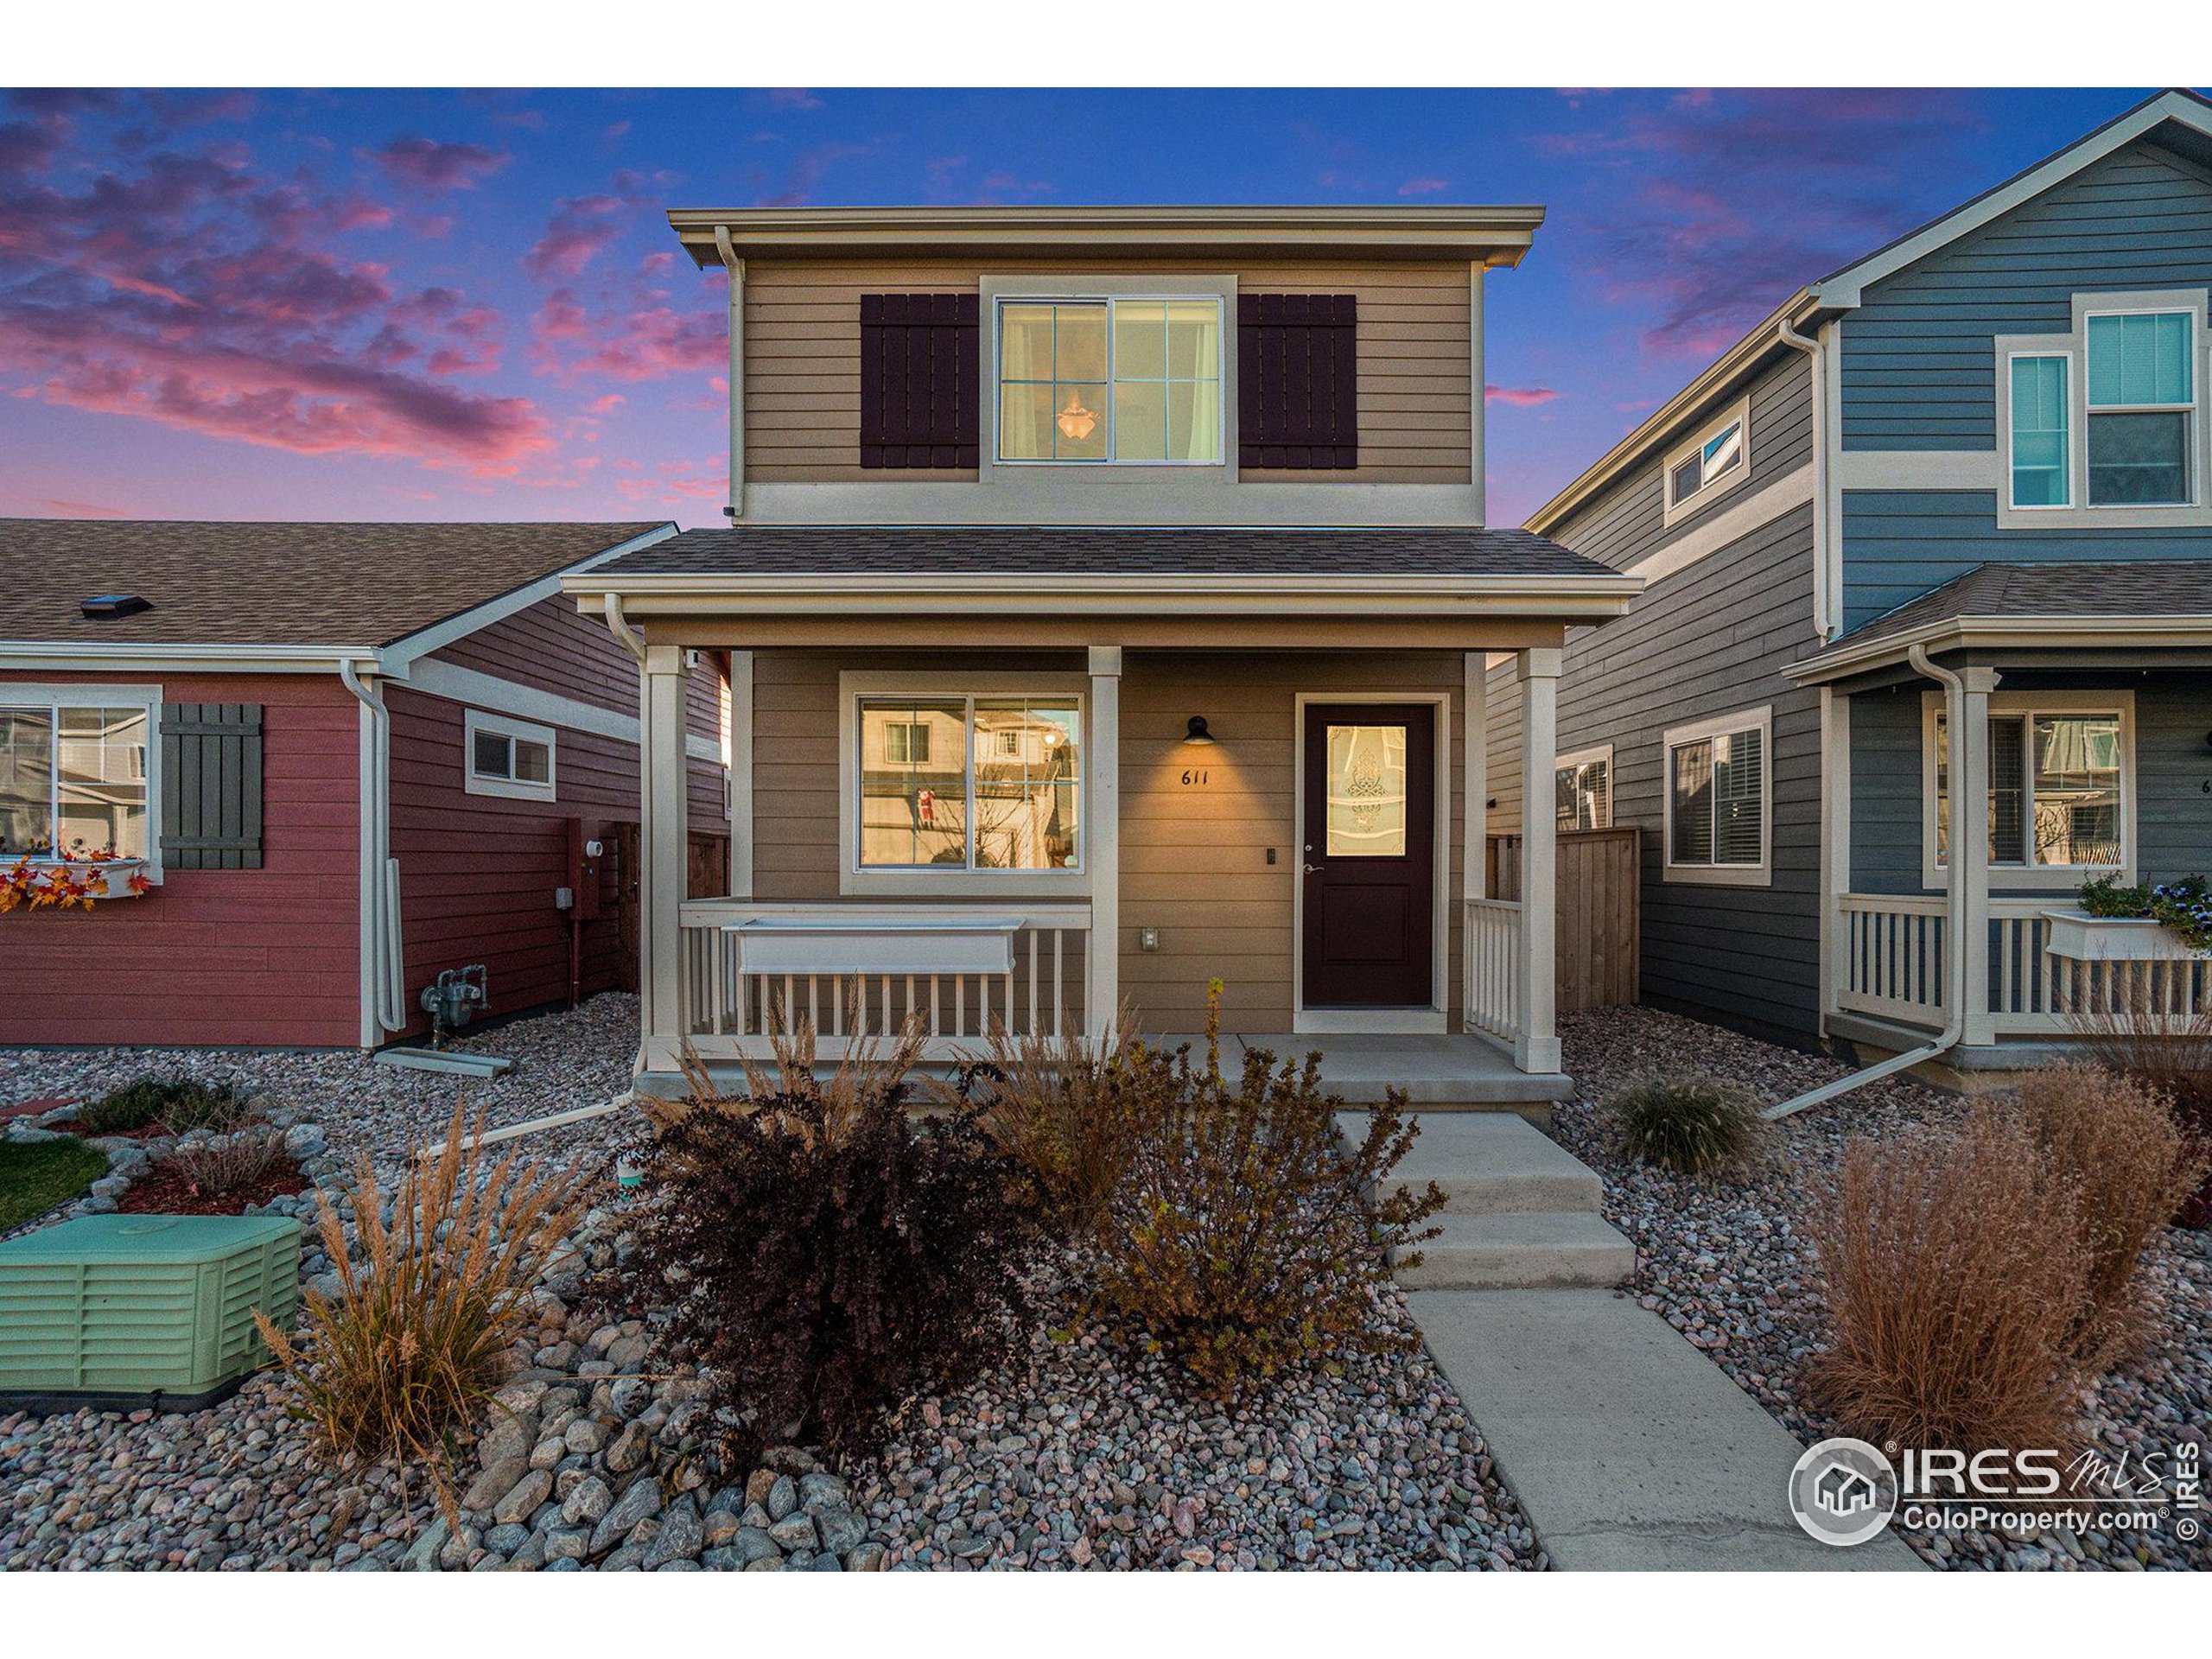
(1435, 1069)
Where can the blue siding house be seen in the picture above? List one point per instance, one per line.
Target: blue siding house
(1946, 513)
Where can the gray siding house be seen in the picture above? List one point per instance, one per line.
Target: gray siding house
(1948, 511)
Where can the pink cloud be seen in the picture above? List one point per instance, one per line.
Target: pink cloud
(68, 509)
(581, 228)
(605, 405)
(1518, 396)
(640, 340)
(1423, 187)
(427, 164)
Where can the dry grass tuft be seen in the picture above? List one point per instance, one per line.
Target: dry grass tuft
(2113, 1141)
(1955, 1275)
(428, 1307)
(2134, 1031)
(1691, 1125)
(231, 1163)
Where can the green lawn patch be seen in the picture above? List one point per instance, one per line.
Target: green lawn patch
(36, 1175)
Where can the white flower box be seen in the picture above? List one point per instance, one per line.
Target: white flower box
(2115, 938)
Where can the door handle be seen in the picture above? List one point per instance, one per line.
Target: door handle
(1313, 869)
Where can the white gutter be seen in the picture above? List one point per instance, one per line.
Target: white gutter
(383, 970)
(633, 641)
(1823, 598)
(1955, 925)
(735, 267)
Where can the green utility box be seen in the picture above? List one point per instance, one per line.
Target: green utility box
(123, 1312)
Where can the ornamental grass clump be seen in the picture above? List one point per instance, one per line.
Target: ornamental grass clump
(2137, 1031)
(1070, 1111)
(2114, 1142)
(1955, 1273)
(1245, 1240)
(824, 1253)
(1693, 1125)
(429, 1305)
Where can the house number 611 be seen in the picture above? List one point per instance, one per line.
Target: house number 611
(1194, 777)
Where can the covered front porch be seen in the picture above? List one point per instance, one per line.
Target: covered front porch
(2070, 703)
(1277, 781)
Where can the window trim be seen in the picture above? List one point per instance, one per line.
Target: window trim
(2079, 514)
(1935, 873)
(2192, 409)
(1761, 875)
(1582, 758)
(1112, 460)
(90, 694)
(2073, 462)
(856, 881)
(1673, 511)
(474, 721)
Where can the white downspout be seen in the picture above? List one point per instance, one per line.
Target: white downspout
(1823, 600)
(735, 267)
(380, 884)
(633, 641)
(1954, 919)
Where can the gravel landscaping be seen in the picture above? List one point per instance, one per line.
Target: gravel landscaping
(1088, 1455)
(1724, 1262)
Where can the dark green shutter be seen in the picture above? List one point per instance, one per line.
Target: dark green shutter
(210, 785)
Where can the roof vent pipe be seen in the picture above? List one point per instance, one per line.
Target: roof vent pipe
(1955, 921)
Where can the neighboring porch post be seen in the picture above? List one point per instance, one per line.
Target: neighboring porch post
(1835, 847)
(1970, 848)
(1474, 810)
(1536, 1048)
(662, 801)
(1102, 824)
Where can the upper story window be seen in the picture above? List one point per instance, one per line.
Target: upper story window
(1134, 381)
(2042, 456)
(1717, 460)
(513, 758)
(2142, 407)
(72, 779)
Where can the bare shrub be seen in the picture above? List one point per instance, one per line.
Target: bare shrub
(231, 1164)
(1955, 1276)
(2112, 1140)
(428, 1306)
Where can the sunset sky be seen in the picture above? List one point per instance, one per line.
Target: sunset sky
(418, 305)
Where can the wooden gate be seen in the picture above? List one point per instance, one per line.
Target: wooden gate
(1600, 876)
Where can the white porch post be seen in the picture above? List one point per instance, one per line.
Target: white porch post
(662, 804)
(1835, 845)
(1102, 824)
(1970, 849)
(1474, 811)
(1536, 1047)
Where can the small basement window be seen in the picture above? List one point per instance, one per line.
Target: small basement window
(508, 757)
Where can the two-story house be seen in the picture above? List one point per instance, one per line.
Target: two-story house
(1945, 514)
(1108, 597)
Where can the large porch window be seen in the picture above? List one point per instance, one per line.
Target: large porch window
(969, 782)
(2061, 778)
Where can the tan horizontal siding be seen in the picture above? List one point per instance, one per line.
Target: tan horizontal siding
(803, 345)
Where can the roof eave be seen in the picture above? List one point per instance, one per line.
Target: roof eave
(1493, 235)
(2017, 633)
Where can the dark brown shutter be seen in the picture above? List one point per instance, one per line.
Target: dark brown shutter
(1297, 380)
(920, 373)
(210, 785)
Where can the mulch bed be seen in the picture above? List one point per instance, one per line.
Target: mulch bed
(164, 1192)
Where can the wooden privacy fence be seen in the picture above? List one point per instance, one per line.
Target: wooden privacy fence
(1600, 876)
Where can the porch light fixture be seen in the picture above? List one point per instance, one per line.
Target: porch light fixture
(1076, 423)
(1195, 735)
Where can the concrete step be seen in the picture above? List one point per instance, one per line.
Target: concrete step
(1527, 1250)
(1490, 1164)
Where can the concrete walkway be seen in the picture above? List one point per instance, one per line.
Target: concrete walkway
(1628, 1447)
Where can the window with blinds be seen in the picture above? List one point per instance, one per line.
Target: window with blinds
(2055, 788)
(1585, 791)
(1717, 798)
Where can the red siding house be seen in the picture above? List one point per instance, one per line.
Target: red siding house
(338, 759)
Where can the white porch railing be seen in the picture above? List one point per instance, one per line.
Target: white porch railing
(729, 1013)
(1894, 969)
(1493, 966)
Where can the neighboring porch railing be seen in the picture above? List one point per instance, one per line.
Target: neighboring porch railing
(1493, 967)
(729, 1013)
(1893, 968)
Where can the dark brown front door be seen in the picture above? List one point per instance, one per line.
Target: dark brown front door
(1371, 854)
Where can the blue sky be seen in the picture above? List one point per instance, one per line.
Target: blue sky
(419, 305)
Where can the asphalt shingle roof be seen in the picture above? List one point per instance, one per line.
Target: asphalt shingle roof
(237, 584)
(1024, 550)
(2130, 588)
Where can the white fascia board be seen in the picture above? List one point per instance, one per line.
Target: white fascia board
(2016, 632)
(1847, 287)
(115, 658)
(438, 635)
(452, 683)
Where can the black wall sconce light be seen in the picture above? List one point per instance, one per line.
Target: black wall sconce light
(1196, 735)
